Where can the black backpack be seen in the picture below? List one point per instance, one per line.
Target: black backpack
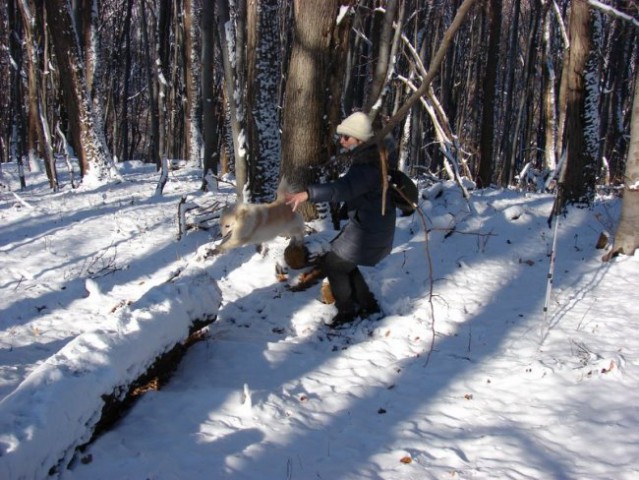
(403, 191)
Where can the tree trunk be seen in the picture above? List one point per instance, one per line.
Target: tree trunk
(304, 127)
(5, 83)
(123, 153)
(39, 133)
(509, 113)
(490, 96)
(627, 234)
(83, 12)
(621, 51)
(16, 128)
(549, 92)
(191, 133)
(338, 75)
(518, 132)
(578, 179)
(383, 57)
(152, 70)
(233, 95)
(264, 67)
(92, 154)
(209, 101)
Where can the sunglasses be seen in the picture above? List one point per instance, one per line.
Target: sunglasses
(346, 138)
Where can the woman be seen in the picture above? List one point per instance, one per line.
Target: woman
(367, 237)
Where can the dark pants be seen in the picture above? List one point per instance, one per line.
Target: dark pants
(347, 284)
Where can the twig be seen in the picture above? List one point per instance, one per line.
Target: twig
(430, 271)
(613, 12)
(221, 180)
(23, 202)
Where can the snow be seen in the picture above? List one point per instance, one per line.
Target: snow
(472, 382)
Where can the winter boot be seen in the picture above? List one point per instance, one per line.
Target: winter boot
(342, 318)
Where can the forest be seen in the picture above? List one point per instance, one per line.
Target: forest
(532, 94)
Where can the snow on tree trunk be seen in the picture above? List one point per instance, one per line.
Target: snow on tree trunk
(164, 177)
(264, 67)
(92, 153)
(192, 133)
(234, 94)
(550, 107)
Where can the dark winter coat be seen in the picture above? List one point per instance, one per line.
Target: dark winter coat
(368, 235)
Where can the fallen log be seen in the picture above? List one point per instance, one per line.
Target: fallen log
(75, 394)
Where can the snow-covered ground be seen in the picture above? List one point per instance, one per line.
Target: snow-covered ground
(465, 376)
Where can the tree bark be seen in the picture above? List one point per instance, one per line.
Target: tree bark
(490, 96)
(191, 147)
(156, 142)
(233, 95)
(39, 133)
(92, 153)
(521, 129)
(627, 234)
(549, 94)
(209, 102)
(264, 67)
(305, 100)
(123, 153)
(578, 179)
(5, 83)
(383, 58)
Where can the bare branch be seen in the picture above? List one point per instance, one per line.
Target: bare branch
(613, 12)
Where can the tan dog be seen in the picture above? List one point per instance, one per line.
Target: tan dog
(255, 223)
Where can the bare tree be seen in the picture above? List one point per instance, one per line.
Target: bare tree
(627, 234)
(5, 83)
(39, 134)
(549, 93)
(210, 104)
(521, 128)
(264, 67)
(370, 63)
(234, 93)
(191, 131)
(16, 127)
(304, 128)
(384, 57)
(154, 76)
(490, 95)
(92, 153)
(577, 181)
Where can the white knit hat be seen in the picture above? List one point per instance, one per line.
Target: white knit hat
(356, 125)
